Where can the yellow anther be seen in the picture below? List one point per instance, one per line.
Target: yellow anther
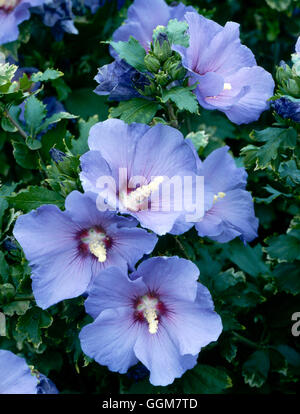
(97, 248)
(227, 86)
(134, 200)
(219, 195)
(148, 307)
(9, 4)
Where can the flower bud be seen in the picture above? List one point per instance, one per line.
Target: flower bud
(174, 68)
(162, 48)
(152, 63)
(162, 78)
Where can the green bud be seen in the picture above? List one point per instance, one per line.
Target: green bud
(284, 73)
(152, 63)
(149, 90)
(174, 68)
(162, 48)
(162, 78)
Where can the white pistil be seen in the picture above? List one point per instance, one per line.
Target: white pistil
(227, 86)
(219, 195)
(95, 241)
(133, 200)
(8, 4)
(148, 307)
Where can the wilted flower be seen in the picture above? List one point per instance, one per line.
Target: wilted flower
(12, 13)
(17, 378)
(161, 317)
(287, 108)
(58, 15)
(132, 167)
(67, 249)
(229, 78)
(120, 81)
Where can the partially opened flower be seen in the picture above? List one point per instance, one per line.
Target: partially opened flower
(67, 249)
(140, 171)
(58, 15)
(17, 378)
(120, 81)
(287, 108)
(13, 13)
(161, 317)
(229, 78)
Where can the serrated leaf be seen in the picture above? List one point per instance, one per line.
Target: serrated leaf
(49, 74)
(284, 247)
(256, 369)
(132, 52)
(32, 323)
(24, 156)
(80, 145)
(249, 259)
(288, 170)
(7, 72)
(205, 379)
(136, 110)
(199, 139)
(176, 32)
(19, 307)
(34, 197)
(182, 97)
(57, 117)
(34, 113)
(287, 277)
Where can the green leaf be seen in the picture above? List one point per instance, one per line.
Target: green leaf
(7, 72)
(287, 277)
(249, 259)
(24, 156)
(176, 32)
(80, 145)
(19, 307)
(135, 110)
(199, 139)
(288, 170)
(32, 323)
(132, 52)
(4, 268)
(275, 139)
(35, 112)
(49, 74)
(256, 369)
(284, 248)
(182, 97)
(55, 137)
(34, 197)
(205, 379)
(279, 5)
(274, 194)
(292, 356)
(54, 119)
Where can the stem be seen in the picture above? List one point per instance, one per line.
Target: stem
(172, 116)
(245, 341)
(19, 128)
(21, 298)
(182, 248)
